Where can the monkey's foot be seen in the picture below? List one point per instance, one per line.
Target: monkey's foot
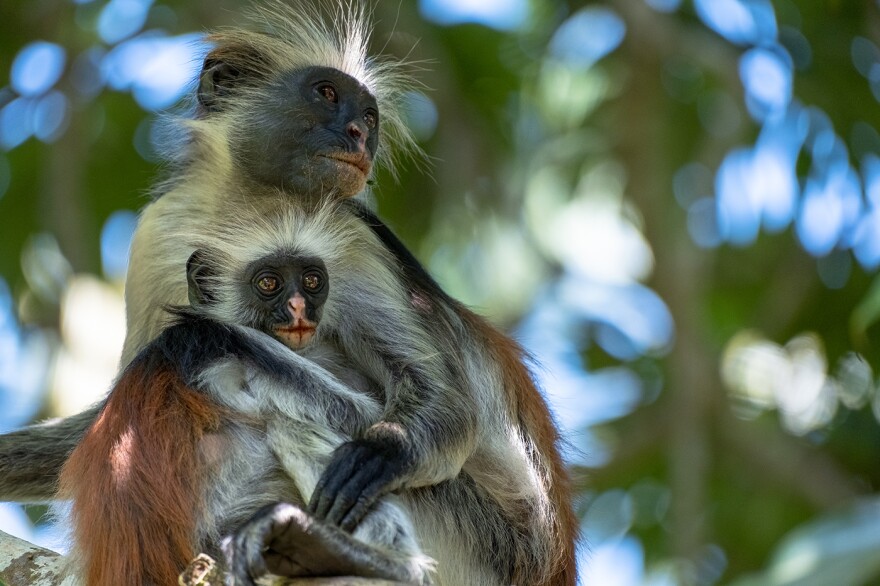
(285, 540)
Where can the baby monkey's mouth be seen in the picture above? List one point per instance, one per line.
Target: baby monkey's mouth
(296, 337)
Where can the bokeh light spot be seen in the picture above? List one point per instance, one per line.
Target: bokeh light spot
(24, 358)
(690, 183)
(609, 517)
(116, 238)
(86, 72)
(866, 240)
(792, 378)
(122, 18)
(865, 55)
(702, 222)
(148, 139)
(739, 21)
(618, 562)
(767, 78)
(587, 36)
(421, 114)
(157, 69)
(835, 268)
(738, 214)
(499, 14)
(50, 116)
(92, 331)
(37, 67)
(830, 210)
(16, 122)
(45, 267)
(758, 186)
(797, 46)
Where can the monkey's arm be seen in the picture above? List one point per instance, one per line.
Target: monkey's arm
(430, 421)
(425, 435)
(31, 458)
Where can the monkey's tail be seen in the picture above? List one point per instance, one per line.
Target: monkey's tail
(135, 480)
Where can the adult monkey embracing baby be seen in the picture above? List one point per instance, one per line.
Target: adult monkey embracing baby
(290, 116)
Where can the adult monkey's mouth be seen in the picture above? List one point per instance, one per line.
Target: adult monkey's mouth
(361, 161)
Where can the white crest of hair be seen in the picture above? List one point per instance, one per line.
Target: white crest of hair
(299, 34)
(309, 232)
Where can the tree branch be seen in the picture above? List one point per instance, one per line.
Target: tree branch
(25, 564)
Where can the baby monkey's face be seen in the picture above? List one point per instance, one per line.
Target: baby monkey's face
(287, 297)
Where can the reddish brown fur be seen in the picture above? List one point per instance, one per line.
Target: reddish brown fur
(135, 481)
(534, 415)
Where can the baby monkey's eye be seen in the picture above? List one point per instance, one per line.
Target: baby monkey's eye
(312, 282)
(268, 283)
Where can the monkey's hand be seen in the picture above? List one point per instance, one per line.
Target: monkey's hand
(359, 472)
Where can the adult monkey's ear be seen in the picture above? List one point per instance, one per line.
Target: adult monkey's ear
(227, 68)
(216, 81)
(199, 275)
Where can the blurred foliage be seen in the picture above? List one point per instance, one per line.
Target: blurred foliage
(716, 470)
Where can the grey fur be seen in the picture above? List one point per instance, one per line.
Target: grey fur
(31, 458)
(282, 458)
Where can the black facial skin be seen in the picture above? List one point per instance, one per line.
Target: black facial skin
(289, 276)
(309, 132)
(284, 294)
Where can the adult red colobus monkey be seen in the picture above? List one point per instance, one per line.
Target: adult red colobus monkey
(287, 117)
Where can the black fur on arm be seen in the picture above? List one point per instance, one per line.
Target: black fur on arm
(192, 342)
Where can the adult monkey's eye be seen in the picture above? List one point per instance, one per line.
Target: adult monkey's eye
(268, 283)
(329, 93)
(370, 119)
(312, 282)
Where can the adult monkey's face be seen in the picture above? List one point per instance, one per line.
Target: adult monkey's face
(311, 131)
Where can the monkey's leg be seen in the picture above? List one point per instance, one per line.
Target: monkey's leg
(284, 540)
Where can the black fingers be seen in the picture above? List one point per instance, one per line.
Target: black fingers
(359, 472)
(341, 467)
